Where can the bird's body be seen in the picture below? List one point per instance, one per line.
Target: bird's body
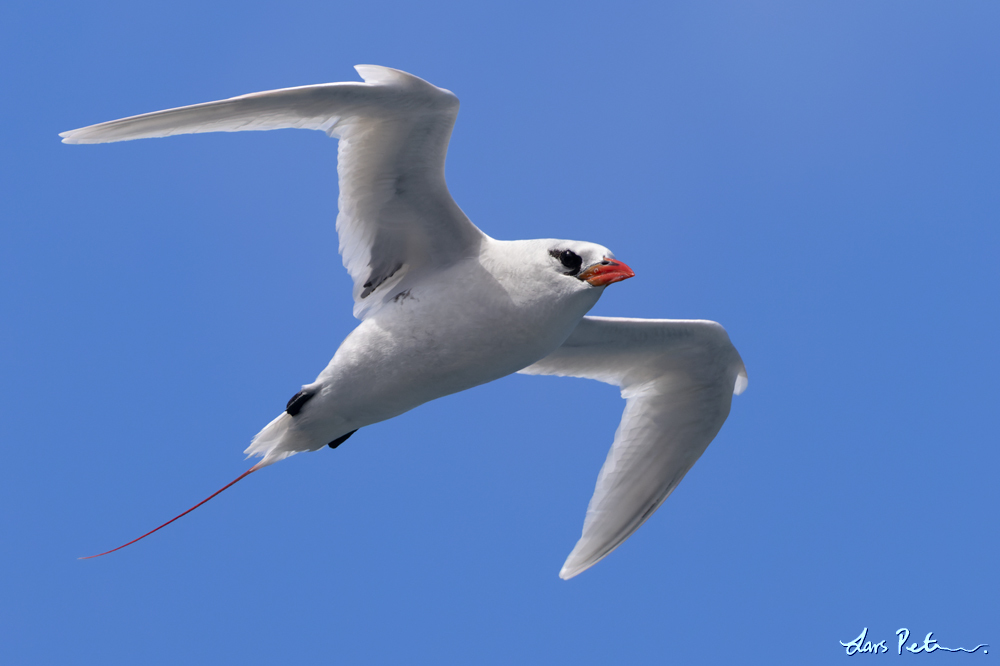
(503, 313)
(445, 308)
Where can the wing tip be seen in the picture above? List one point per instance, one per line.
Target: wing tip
(741, 381)
(578, 562)
(92, 134)
(566, 573)
(572, 569)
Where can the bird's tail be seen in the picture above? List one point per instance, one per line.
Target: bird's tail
(231, 483)
(278, 440)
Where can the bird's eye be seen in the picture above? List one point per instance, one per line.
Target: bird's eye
(571, 260)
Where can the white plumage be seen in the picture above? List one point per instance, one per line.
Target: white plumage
(678, 379)
(444, 307)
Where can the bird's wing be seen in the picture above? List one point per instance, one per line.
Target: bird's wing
(397, 219)
(678, 378)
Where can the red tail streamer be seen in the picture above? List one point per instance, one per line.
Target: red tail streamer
(239, 478)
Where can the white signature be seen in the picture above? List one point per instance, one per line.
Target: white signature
(860, 644)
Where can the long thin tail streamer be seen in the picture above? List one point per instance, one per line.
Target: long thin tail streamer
(231, 483)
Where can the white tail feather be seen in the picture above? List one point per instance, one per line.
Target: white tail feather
(278, 440)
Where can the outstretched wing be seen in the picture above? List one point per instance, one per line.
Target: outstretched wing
(396, 218)
(678, 378)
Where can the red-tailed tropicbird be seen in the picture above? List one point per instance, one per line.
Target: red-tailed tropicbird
(444, 307)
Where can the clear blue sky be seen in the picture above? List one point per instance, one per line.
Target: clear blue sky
(821, 178)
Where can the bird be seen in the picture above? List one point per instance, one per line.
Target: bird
(443, 307)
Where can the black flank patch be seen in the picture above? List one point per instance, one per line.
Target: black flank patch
(340, 440)
(298, 401)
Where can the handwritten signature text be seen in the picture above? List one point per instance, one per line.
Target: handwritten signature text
(862, 645)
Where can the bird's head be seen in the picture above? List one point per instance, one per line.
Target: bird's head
(547, 268)
(588, 263)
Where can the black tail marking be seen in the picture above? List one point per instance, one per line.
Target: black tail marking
(298, 401)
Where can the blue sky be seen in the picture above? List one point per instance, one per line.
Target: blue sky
(821, 178)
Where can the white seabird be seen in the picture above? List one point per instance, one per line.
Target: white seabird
(444, 307)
